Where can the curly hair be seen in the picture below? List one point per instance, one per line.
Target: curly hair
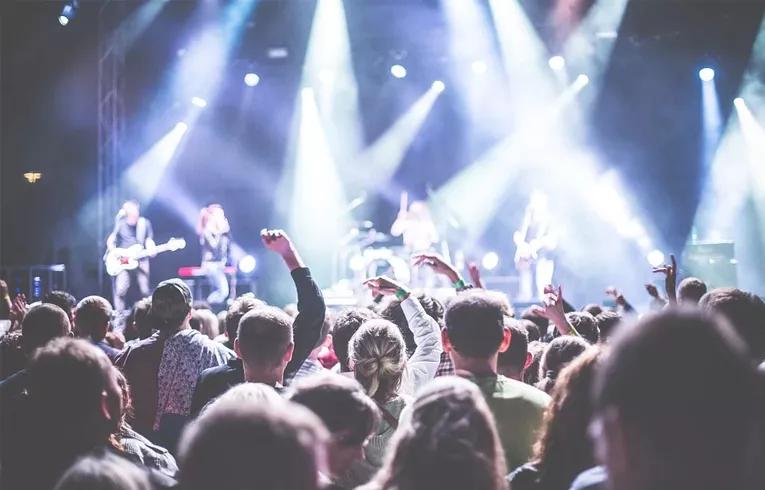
(377, 355)
(451, 443)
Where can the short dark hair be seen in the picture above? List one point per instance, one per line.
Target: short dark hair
(531, 328)
(62, 299)
(392, 311)
(170, 304)
(746, 313)
(690, 290)
(658, 376)
(276, 447)
(539, 321)
(343, 328)
(593, 309)
(236, 311)
(558, 354)
(93, 316)
(608, 321)
(264, 335)
(514, 358)
(140, 319)
(475, 324)
(41, 324)
(104, 470)
(585, 325)
(531, 375)
(341, 403)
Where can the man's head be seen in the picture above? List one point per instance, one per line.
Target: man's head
(593, 309)
(745, 312)
(279, 446)
(93, 315)
(345, 325)
(236, 311)
(514, 360)
(690, 290)
(74, 390)
(677, 402)
(531, 328)
(541, 322)
(132, 211)
(264, 340)
(393, 312)
(585, 324)
(557, 355)
(171, 305)
(608, 321)
(63, 300)
(349, 414)
(475, 329)
(140, 321)
(41, 324)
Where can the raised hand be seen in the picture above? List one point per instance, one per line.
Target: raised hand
(670, 278)
(19, 309)
(438, 264)
(475, 275)
(652, 291)
(278, 241)
(384, 285)
(617, 295)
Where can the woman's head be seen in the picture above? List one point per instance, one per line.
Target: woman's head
(377, 356)
(564, 449)
(557, 355)
(450, 443)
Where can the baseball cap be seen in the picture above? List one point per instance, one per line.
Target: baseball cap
(171, 302)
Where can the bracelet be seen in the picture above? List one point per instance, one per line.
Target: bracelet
(460, 284)
(401, 294)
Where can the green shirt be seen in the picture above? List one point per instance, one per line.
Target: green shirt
(518, 410)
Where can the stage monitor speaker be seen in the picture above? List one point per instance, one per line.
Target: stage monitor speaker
(713, 262)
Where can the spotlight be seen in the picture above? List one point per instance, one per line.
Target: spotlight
(67, 13)
(706, 74)
(557, 62)
(655, 258)
(182, 127)
(199, 101)
(490, 261)
(582, 80)
(398, 71)
(251, 79)
(739, 102)
(478, 67)
(247, 264)
(438, 86)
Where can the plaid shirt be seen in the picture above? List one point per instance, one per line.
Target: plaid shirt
(445, 367)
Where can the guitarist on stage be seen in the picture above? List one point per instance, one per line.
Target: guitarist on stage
(130, 228)
(535, 245)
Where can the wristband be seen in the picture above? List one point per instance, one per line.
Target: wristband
(401, 294)
(460, 284)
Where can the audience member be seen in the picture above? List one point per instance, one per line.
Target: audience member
(345, 325)
(347, 412)
(514, 361)
(451, 442)
(557, 355)
(104, 471)
(690, 290)
(139, 324)
(93, 319)
(312, 365)
(249, 445)
(593, 309)
(531, 374)
(235, 312)
(679, 405)
(205, 321)
(393, 311)
(259, 393)
(474, 335)
(532, 329)
(63, 300)
(585, 324)
(745, 312)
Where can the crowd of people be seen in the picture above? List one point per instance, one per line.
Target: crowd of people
(409, 392)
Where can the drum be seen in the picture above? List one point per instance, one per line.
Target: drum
(373, 262)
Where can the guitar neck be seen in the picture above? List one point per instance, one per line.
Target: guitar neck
(156, 250)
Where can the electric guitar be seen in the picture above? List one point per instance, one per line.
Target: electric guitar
(126, 259)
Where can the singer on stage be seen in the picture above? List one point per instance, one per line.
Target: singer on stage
(215, 239)
(130, 228)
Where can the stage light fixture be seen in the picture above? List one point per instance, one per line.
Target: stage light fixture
(251, 79)
(655, 258)
(490, 261)
(181, 127)
(247, 264)
(557, 62)
(478, 67)
(739, 102)
(68, 12)
(199, 101)
(398, 71)
(706, 74)
(582, 80)
(439, 86)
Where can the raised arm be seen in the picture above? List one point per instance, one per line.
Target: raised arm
(310, 302)
(555, 312)
(442, 267)
(670, 279)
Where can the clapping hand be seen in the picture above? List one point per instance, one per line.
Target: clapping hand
(670, 278)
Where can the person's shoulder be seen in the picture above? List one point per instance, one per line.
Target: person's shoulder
(136, 349)
(511, 388)
(222, 371)
(594, 478)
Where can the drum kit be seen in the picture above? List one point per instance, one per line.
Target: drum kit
(365, 253)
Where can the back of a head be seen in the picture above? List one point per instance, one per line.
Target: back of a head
(264, 336)
(340, 403)
(141, 318)
(593, 309)
(690, 290)
(345, 325)
(513, 360)
(278, 447)
(93, 315)
(557, 355)
(687, 400)
(237, 310)
(585, 324)
(475, 324)
(207, 322)
(41, 324)
(104, 472)
(541, 322)
(258, 393)
(531, 328)
(745, 312)
(451, 442)
(536, 349)
(608, 322)
(62, 299)
(377, 355)
(170, 304)
(392, 311)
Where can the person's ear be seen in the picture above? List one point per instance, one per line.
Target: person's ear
(529, 360)
(506, 338)
(104, 406)
(327, 341)
(447, 344)
(237, 349)
(288, 354)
